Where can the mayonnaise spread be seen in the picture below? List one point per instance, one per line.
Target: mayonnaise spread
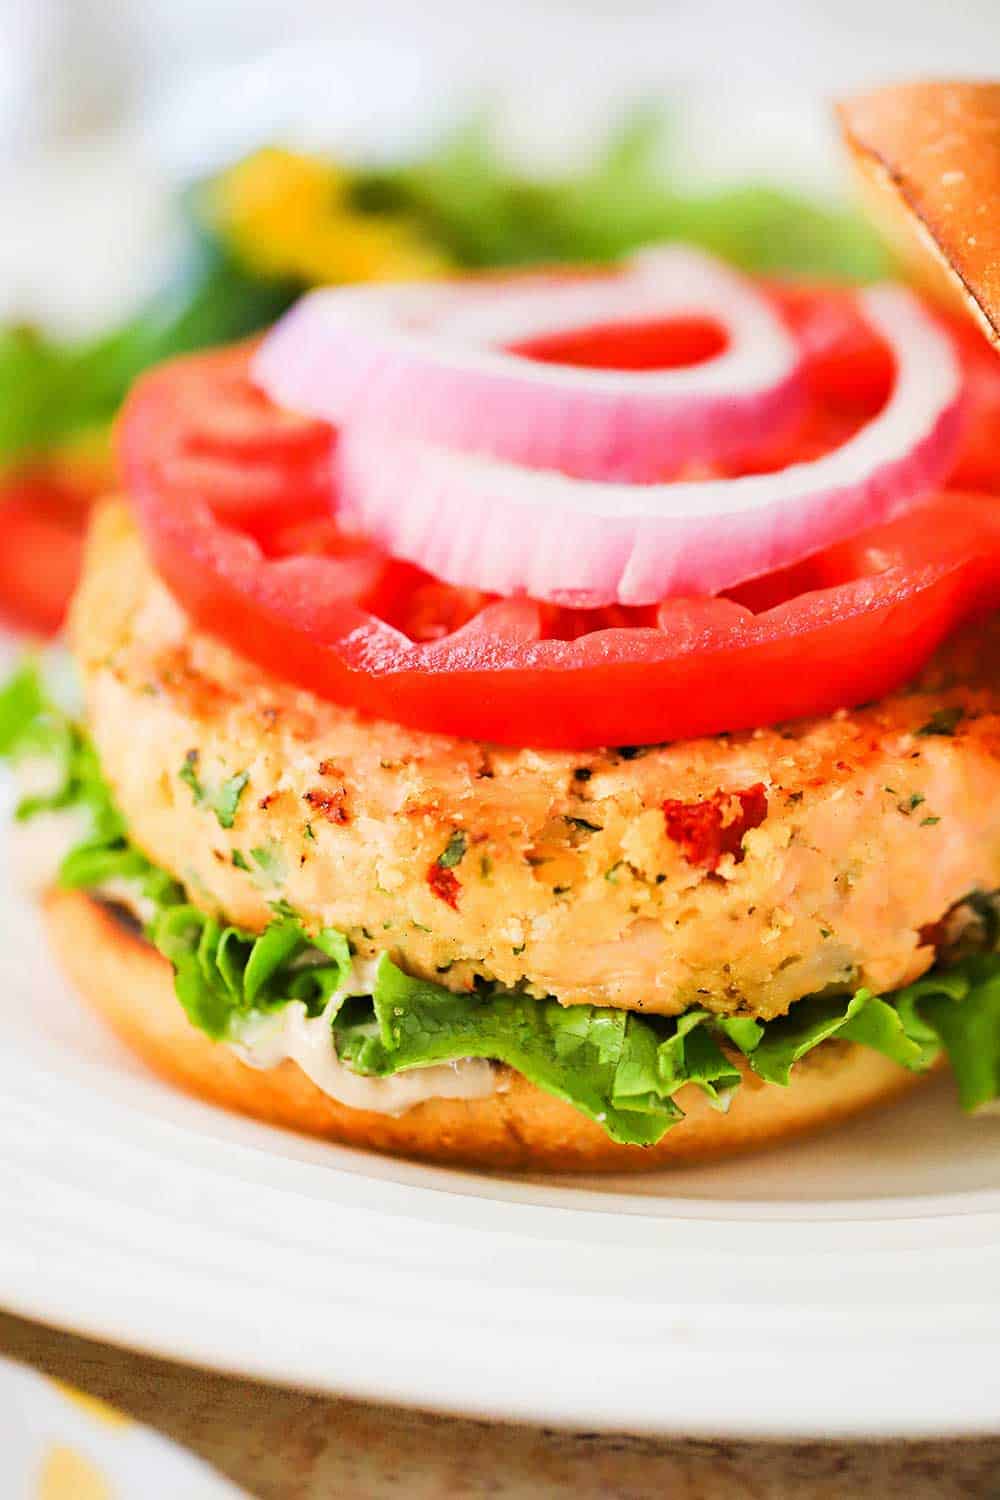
(268, 1038)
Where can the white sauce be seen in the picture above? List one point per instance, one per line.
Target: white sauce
(266, 1039)
(38, 848)
(289, 1034)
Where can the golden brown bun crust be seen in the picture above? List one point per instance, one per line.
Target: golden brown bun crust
(930, 154)
(127, 982)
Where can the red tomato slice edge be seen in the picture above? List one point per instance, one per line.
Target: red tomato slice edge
(849, 626)
(41, 551)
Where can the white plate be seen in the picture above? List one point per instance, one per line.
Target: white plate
(843, 1287)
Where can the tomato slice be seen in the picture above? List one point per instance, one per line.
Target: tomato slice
(264, 469)
(43, 516)
(260, 566)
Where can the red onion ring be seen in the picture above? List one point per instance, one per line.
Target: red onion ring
(434, 361)
(479, 522)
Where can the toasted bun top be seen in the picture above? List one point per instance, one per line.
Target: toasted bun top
(931, 154)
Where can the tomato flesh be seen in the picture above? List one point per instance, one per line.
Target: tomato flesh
(233, 499)
(264, 469)
(665, 344)
(42, 523)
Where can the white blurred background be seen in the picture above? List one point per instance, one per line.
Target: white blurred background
(103, 103)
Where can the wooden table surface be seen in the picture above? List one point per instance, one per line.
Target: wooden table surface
(286, 1445)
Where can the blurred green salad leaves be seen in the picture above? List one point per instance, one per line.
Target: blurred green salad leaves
(50, 391)
(487, 215)
(460, 206)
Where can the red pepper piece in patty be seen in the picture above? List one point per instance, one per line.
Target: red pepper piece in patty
(709, 829)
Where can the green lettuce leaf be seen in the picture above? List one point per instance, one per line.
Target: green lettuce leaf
(692, 1055)
(618, 1068)
(224, 974)
(22, 710)
(961, 1007)
(861, 1017)
(602, 1061)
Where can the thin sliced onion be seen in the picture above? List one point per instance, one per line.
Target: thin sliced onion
(482, 523)
(436, 361)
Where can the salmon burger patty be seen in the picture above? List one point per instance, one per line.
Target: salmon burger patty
(737, 873)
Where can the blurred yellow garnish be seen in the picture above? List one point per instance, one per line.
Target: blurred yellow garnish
(68, 1475)
(287, 214)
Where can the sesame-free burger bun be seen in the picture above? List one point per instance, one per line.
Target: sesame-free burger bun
(928, 154)
(130, 986)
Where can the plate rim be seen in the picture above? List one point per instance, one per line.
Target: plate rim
(39, 1282)
(140, 1146)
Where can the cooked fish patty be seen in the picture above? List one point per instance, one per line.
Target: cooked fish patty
(739, 872)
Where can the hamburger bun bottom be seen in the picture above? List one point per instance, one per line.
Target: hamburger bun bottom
(129, 984)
